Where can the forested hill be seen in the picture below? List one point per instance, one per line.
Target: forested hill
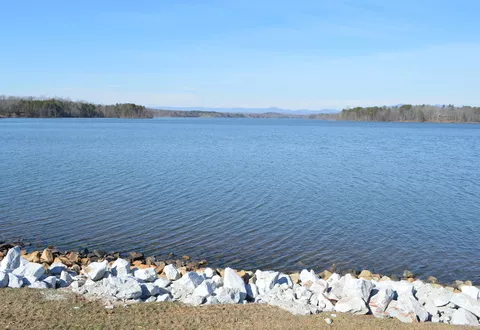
(413, 113)
(57, 108)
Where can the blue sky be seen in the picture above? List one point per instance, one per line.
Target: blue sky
(290, 54)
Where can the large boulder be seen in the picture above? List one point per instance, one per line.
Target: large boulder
(172, 272)
(232, 281)
(34, 270)
(12, 260)
(407, 309)
(150, 289)
(319, 286)
(120, 268)
(186, 285)
(463, 317)
(379, 302)
(308, 276)
(357, 287)
(351, 304)
(51, 281)
(205, 289)
(162, 282)
(131, 289)
(227, 295)
(285, 279)
(146, 274)
(265, 280)
(440, 297)
(466, 302)
(96, 270)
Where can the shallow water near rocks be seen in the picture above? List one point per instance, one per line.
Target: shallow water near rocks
(249, 193)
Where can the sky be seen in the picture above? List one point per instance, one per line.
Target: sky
(304, 54)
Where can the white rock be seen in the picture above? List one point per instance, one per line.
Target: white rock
(3, 279)
(466, 302)
(227, 295)
(162, 282)
(19, 271)
(131, 289)
(211, 300)
(403, 288)
(285, 279)
(463, 317)
(51, 281)
(217, 279)
(34, 270)
(57, 268)
(164, 297)
(440, 297)
(334, 278)
(232, 281)
(306, 276)
(431, 309)
(28, 280)
(209, 272)
(120, 268)
(357, 287)
(65, 279)
(265, 280)
(424, 293)
(38, 285)
(205, 289)
(319, 286)
(12, 260)
(172, 272)
(351, 304)
(150, 289)
(14, 281)
(471, 291)
(151, 299)
(407, 309)
(193, 300)
(328, 320)
(324, 304)
(417, 284)
(186, 285)
(379, 302)
(146, 274)
(96, 270)
(303, 293)
(252, 290)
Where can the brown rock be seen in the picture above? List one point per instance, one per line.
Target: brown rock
(159, 266)
(2, 254)
(63, 260)
(136, 256)
(183, 270)
(73, 257)
(469, 283)
(449, 288)
(457, 284)
(33, 257)
(295, 278)
(325, 274)
(432, 279)
(143, 266)
(244, 275)
(150, 260)
(85, 261)
(385, 278)
(76, 268)
(437, 286)
(366, 275)
(377, 277)
(186, 258)
(47, 256)
(203, 262)
(410, 279)
(137, 263)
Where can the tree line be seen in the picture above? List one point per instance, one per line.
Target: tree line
(414, 113)
(58, 108)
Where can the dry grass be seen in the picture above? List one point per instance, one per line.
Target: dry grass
(45, 309)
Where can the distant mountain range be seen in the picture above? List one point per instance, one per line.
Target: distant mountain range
(254, 110)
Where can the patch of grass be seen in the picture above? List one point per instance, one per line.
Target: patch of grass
(44, 309)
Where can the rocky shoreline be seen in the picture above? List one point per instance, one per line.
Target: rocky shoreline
(120, 279)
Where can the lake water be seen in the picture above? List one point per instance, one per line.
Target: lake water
(249, 193)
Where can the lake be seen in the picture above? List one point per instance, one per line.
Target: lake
(280, 194)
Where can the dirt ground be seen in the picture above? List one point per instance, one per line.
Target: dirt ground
(49, 309)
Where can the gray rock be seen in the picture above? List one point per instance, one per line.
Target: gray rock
(379, 302)
(211, 300)
(14, 281)
(466, 302)
(294, 307)
(131, 289)
(172, 272)
(12, 260)
(150, 289)
(120, 268)
(351, 304)
(232, 281)
(151, 299)
(146, 274)
(3, 279)
(96, 270)
(57, 268)
(65, 279)
(463, 317)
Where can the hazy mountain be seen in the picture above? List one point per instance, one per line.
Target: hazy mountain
(253, 110)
